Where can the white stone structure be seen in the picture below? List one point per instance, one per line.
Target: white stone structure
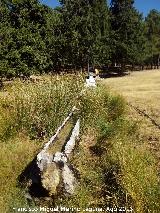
(90, 82)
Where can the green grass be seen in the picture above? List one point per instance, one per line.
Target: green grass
(61, 138)
(39, 108)
(114, 163)
(29, 115)
(116, 166)
(15, 154)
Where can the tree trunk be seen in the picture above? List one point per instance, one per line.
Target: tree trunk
(158, 61)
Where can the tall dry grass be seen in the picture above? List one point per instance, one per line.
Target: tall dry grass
(115, 166)
(29, 115)
(39, 108)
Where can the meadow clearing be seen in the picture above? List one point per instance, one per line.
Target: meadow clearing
(116, 157)
(141, 90)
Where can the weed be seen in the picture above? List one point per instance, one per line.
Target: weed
(115, 166)
(39, 108)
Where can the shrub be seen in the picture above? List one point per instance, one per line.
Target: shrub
(39, 108)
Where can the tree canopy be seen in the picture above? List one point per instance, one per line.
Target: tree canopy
(152, 34)
(36, 39)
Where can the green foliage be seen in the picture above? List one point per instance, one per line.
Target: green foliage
(26, 38)
(127, 33)
(152, 31)
(86, 32)
(37, 39)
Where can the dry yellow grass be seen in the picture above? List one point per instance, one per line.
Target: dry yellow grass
(141, 89)
(15, 154)
(19, 146)
(137, 176)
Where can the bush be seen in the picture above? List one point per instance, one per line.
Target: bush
(39, 108)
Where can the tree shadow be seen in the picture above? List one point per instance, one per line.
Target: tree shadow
(30, 178)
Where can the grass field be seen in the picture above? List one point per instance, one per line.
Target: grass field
(113, 158)
(141, 89)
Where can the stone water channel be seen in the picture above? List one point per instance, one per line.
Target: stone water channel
(51, 170)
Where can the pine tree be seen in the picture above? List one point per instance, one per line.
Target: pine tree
(6, 40)
(85, 31)
(28, 37)
(28, 17)
(127, 33)
(152, 33)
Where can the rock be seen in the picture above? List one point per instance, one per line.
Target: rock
(51, 178)
(69, 180)
(91, 82)
(71, 143)
(43, 159)
(60, 158)
(55, 170)
(58, 173)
